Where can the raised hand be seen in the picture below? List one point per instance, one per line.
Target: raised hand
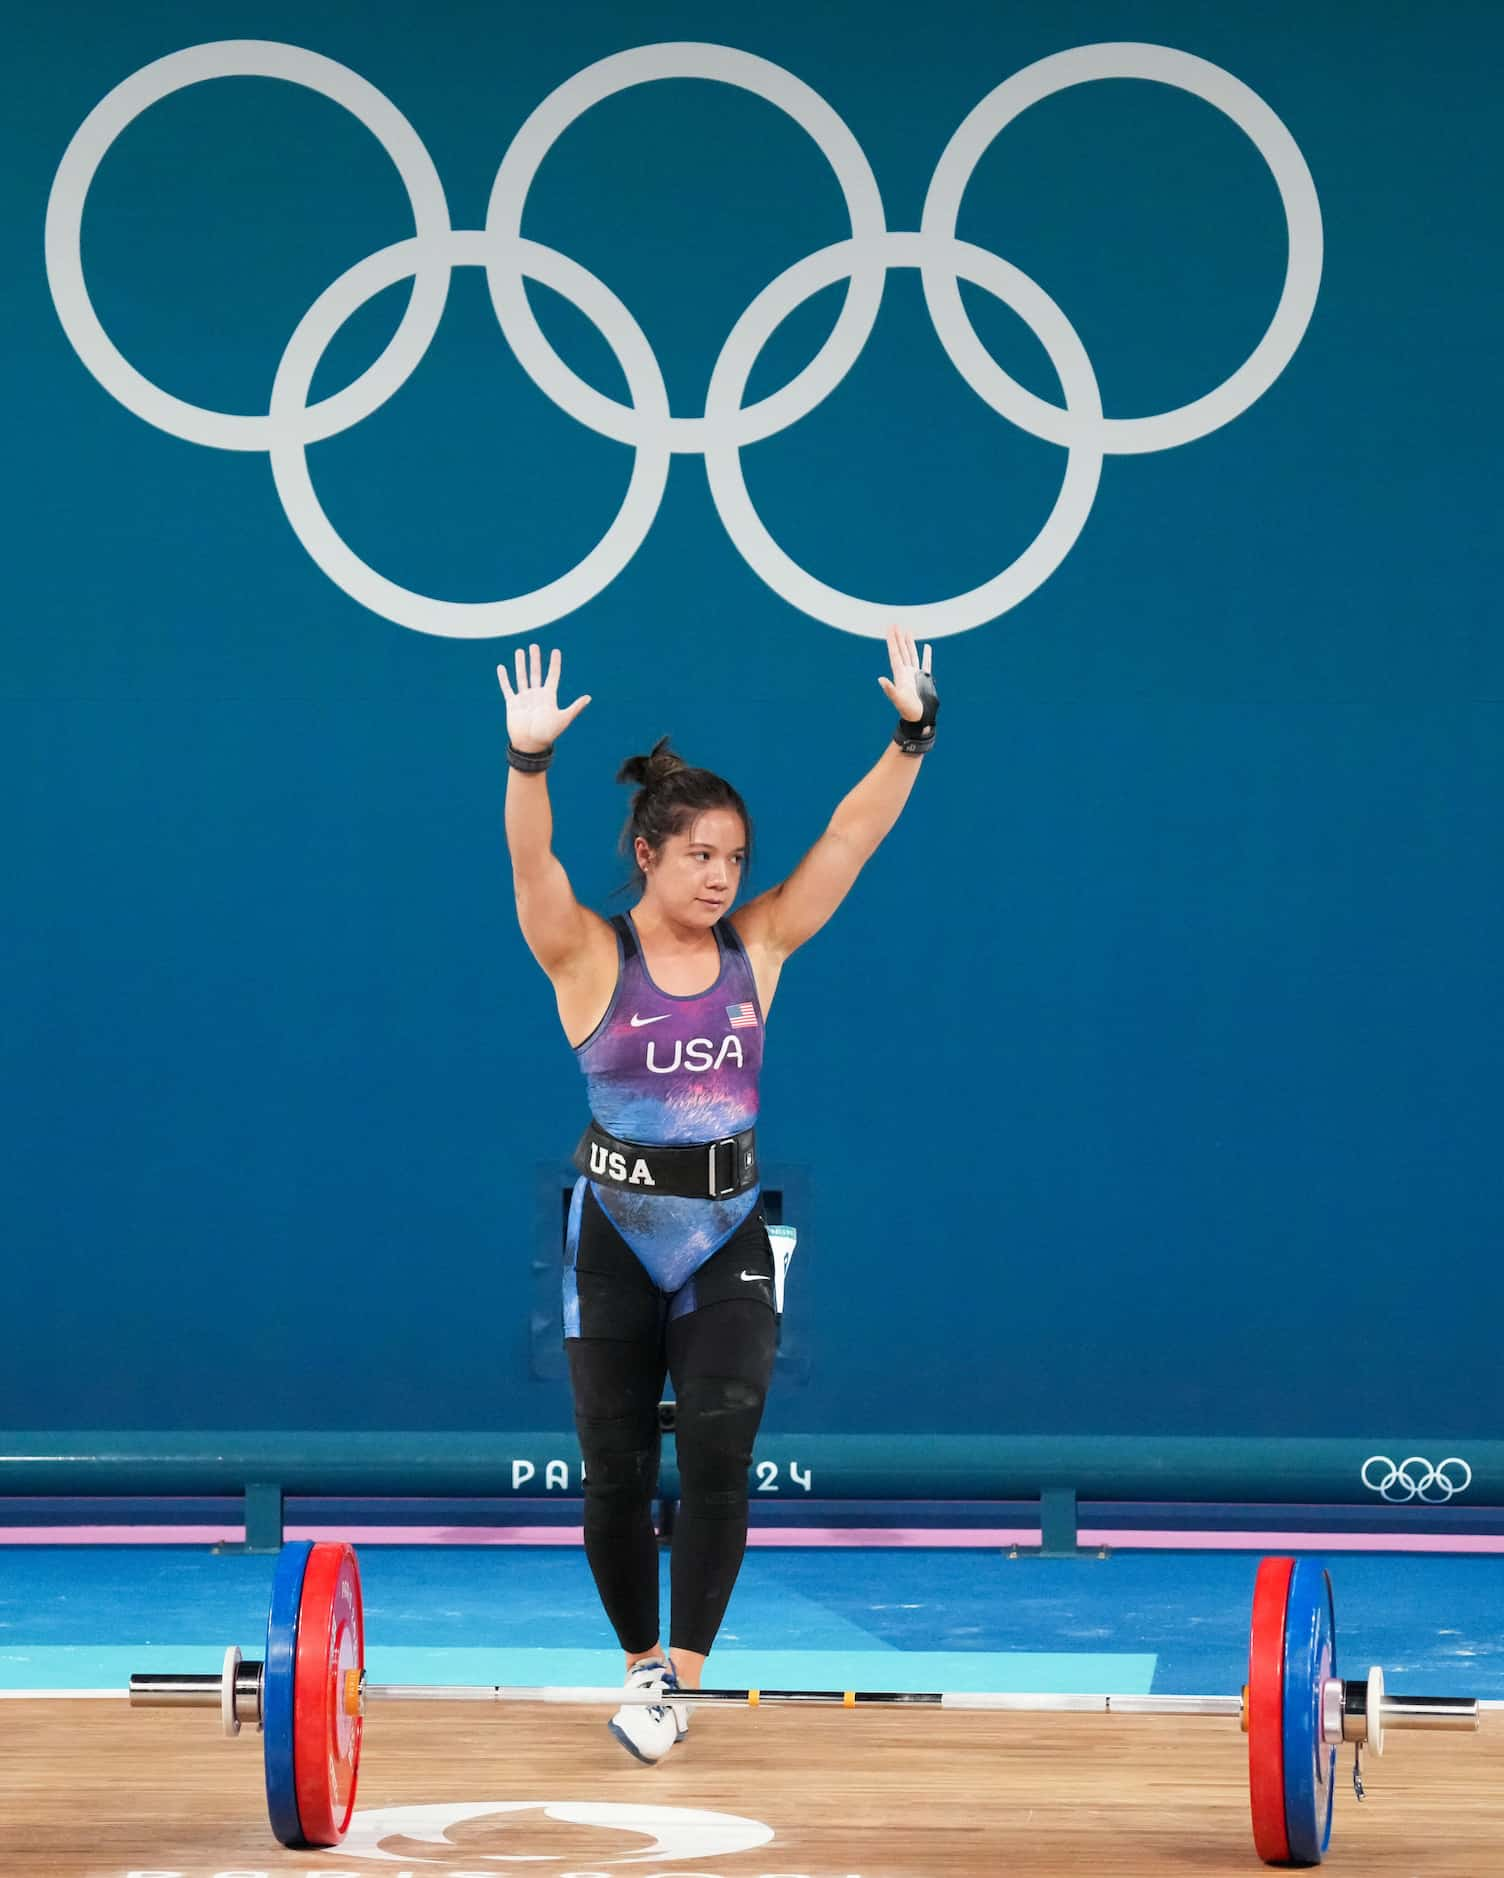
(905, 690)
(534, 719)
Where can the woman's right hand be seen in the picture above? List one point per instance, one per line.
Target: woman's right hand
(534, 719)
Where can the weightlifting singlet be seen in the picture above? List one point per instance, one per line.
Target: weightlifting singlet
(664, 1070)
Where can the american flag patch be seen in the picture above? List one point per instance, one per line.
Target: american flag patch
(741, 1015)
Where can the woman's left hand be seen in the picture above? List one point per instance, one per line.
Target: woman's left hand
(903, 688)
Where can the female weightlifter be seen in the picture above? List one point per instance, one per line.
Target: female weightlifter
(667, 1262)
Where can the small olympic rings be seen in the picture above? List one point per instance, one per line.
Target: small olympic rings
(1416, 1479)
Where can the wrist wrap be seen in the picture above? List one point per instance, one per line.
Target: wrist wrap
(530, 761)
(916, 737)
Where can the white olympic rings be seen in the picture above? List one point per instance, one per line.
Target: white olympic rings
(1431, 1484)
(646, 424)
(466, 619)
(240, 58)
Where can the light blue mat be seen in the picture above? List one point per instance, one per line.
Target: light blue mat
(907, 1671)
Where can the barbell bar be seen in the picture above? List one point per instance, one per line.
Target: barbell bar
(310, 1694)
(169, 1691)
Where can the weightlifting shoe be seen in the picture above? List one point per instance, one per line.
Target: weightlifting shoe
(650, 1729)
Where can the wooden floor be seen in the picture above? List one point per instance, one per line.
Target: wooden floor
(93, 1788)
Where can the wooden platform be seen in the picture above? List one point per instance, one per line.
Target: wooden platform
(92, 1789)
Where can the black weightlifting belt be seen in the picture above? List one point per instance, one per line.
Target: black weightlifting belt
(710, 1170)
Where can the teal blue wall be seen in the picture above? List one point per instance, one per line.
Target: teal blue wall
(1147, 1082)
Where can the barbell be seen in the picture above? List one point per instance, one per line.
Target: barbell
(309, 1697)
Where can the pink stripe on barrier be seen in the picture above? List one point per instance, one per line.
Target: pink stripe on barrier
(444, 1535)
(832, 1536)
(918, 1538)
(1294, 1541)
(122, 1535)
(892, 1538)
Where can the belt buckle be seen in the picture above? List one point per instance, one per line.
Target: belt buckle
(717, 1191)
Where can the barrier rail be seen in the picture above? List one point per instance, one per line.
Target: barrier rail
(1057, 1471)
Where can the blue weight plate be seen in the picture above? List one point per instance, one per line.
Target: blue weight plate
(277, 1691)
(1310, 1659)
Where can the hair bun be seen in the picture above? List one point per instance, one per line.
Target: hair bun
(644, 771)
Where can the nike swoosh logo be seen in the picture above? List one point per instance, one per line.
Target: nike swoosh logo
(638, 1022)
(756, 1278)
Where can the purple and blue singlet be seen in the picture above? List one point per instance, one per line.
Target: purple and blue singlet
(668, 1070)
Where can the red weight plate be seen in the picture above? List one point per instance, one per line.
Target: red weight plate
(1266, 1710)
(326, 1738)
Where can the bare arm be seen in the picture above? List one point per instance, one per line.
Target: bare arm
(785, 916)
(553, 922)
(558, 930)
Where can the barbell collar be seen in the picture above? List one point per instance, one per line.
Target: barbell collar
(176, 1691)
(1430, 1711)
(153, 1691)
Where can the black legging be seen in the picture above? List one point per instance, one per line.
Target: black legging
(720, 1358)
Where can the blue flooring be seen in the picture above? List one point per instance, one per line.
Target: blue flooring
(1170, 1622)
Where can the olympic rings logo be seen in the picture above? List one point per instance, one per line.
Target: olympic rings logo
(677, 1832)
(1416, 1479)
(646, 424)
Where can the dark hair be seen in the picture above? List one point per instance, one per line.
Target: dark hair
(670, 794)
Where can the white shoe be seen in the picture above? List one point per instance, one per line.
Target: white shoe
(650, 1729)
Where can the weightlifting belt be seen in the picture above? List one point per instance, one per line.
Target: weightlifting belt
(709, 1170)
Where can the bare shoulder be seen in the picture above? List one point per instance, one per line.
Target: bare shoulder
(754, 927)
(585, 981)
(598, 941)
(753, 920)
